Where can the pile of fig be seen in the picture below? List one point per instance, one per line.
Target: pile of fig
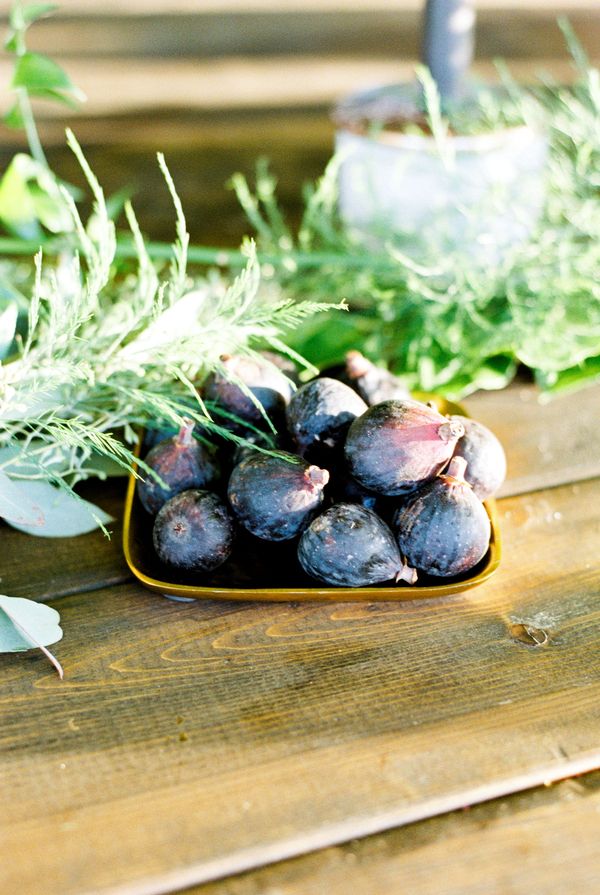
(365, 485)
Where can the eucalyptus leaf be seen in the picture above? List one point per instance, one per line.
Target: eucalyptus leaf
(39, 620)
(25, 625)
(29, 404)
(65, 515)
(17, 506)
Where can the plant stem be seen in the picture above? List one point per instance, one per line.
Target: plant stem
(23, 101)
(228, 258)
(35, 145)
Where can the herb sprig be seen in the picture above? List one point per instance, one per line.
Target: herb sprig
(89, 350)
(450, 321)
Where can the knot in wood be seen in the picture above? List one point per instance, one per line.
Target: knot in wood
(528, 634)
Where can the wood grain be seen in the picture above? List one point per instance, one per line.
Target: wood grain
(176, 7)
(361, 31)
(543, 840)
(121, 85)
(44, 568)
(190, 742)
(546, 444)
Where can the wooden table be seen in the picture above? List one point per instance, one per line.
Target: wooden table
(433, 747)
(192, 742)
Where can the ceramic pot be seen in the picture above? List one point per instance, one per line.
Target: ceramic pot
(483, 191)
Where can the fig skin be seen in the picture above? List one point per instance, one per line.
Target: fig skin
(271, 388)
(344, 489)
(182, 463)
(486, 460)
(374, 384)
(319, 415)
(154, 436)
(398, 445)
(193, 531)
(275, 497)
(242, 451)
(443, 529)
(349, 546)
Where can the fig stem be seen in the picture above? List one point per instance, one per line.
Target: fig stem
(407, 574)
(357, 364)
(456, 469)
(451, 431)
(317, 477)
(185, 436)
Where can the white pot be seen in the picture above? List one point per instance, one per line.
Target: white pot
(482, 193)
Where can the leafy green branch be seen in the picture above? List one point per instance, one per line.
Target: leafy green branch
(30, 199)
(34, 75)
(104, 354)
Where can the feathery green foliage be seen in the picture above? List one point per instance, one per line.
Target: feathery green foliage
(451, 321)
(104, 353)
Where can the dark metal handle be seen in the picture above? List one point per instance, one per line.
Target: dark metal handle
(448, 44)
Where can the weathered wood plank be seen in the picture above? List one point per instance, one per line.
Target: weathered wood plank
(44, 568)
(359, 31)
(193, 741)
(546, 444)
(543, 840)
(122, 85)
(177, 7)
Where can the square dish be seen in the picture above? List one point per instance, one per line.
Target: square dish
(271, 572)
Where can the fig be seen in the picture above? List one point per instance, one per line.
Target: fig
(319, 415)
(155, 434)
(486, 460)
(182, 463)
(348, 545)
(283, 363)
(275, 497)
(265, 381)
(345, 489)
(443, 529)
(193, 531)
(245, 449)
(398, 445)
(374, 384)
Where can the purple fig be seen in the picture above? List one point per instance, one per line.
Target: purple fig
(443, 529)
(344, 489)
(253, 440)
(275, 497)
(374, 384)
(265, 382)
(283, 363)
(486, 460)
(397, 445)
(154, 435)
(319, 414)
(193, 531)
(349, 546)
(182, 463)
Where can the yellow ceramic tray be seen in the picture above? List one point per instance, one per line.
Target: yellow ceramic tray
(261, 571)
